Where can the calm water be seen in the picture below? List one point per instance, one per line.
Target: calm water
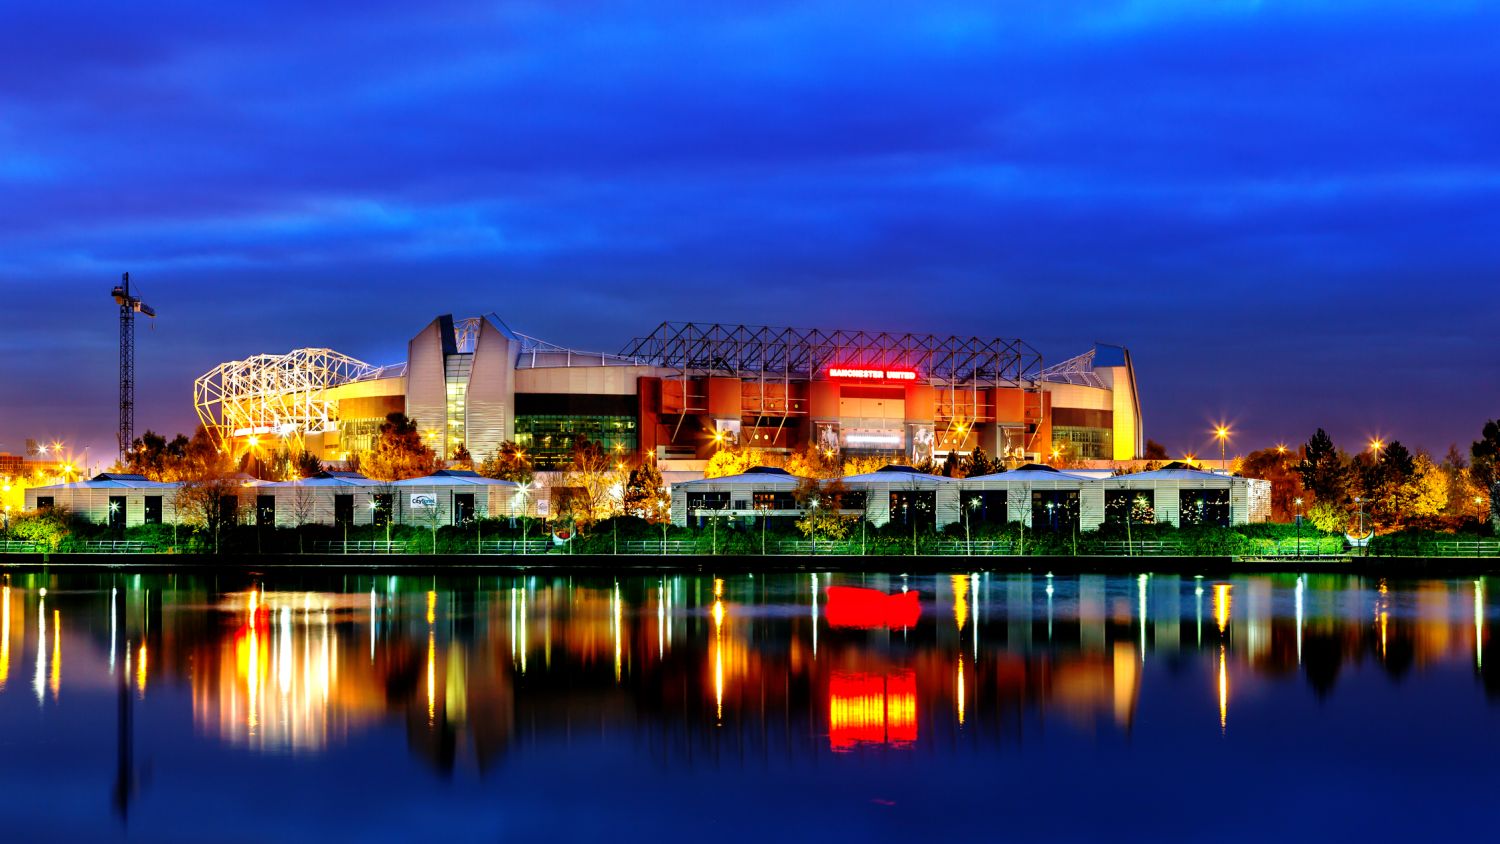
(767, 708)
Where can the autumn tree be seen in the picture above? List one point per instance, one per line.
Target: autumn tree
(865, 464)
(461, 457)
(1286, 482)
(208, 504)
(399, 452)
(646, 493)
(812, 462)
(595, 483)
(1155, 451)
(731, 460)
(509, 462)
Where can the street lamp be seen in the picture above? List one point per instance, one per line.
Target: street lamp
(1376, 445)
(1360, 525)
(1221, 433)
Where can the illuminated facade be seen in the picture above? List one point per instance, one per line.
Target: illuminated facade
(688, 388)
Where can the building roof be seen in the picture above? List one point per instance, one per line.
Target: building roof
(763, 475)
(1031, 472)
(112, 481)
(454, 477)
(1176, 471)
(898, 475)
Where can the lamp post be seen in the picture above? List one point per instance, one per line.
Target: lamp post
(1221, 433)
(1360, 525)
(1298, 501)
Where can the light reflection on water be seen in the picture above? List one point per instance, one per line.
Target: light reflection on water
(477, 677)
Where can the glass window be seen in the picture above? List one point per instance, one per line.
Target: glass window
(775, 501)
(463, 507)
(343, 510)
(1138, 504)
(1088, 443)
(1203, 507)
(383, 509)
(1055, 510)
(117, 511)
(153, 510)
(917, 507)
(549, 439)
(265, 510)
(984, 506)
(44, 502)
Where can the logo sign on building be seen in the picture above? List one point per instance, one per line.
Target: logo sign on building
(864, 373)
(423, 501)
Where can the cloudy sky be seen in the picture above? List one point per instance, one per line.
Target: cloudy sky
(1288, 211)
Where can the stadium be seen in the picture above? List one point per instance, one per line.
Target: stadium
(684, 389)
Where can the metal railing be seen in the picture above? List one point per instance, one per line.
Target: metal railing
(515, 546)
(16, 546)
(362, 546)
(116, 546)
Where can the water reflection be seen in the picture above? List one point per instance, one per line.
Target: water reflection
(818, 663)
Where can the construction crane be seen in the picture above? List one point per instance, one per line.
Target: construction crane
(129, 307)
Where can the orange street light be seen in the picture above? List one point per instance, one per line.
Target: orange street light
(1281, 448)
(1377, 445)
(1221, 433)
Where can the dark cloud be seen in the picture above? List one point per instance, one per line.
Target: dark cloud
(1286, 210)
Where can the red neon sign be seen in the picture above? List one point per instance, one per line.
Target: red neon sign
(865, 373)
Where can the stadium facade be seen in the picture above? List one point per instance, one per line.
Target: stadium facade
(685, 389)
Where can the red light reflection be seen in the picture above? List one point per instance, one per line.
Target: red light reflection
(853, 606)
(872, 709)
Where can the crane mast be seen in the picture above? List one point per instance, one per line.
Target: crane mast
(129, 306)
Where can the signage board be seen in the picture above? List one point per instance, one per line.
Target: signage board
(423, 501)
(866, 373)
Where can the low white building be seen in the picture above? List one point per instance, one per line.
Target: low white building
(1181, 495)
(1035, 495)
(902, 494)
(758, 492)
(116, 499)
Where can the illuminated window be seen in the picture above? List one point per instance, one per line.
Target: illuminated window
(1140, 504)
(549, 439)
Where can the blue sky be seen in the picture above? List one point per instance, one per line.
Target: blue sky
(1288, 211)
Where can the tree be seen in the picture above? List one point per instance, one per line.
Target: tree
(1286, 482)
(208, 504)
(646, 494)
(1155, 450)
(595, 480)
(461, 457)
(821, 501)
(1328, 517)
(1388, 484)
(811, 462)
(730, 460)
(47, 527)
(1324, 470)
(863, 465)
(980, 463)
(399, 452)
(953, 466)
(1486, 454)
(508, 463)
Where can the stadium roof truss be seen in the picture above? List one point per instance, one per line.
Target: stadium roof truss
(282, 395)
(1077, 370)
(756, 352)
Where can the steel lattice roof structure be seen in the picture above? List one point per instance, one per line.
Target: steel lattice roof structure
(275, 394)
(761, 352)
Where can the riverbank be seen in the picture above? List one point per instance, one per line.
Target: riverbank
(646, 564)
